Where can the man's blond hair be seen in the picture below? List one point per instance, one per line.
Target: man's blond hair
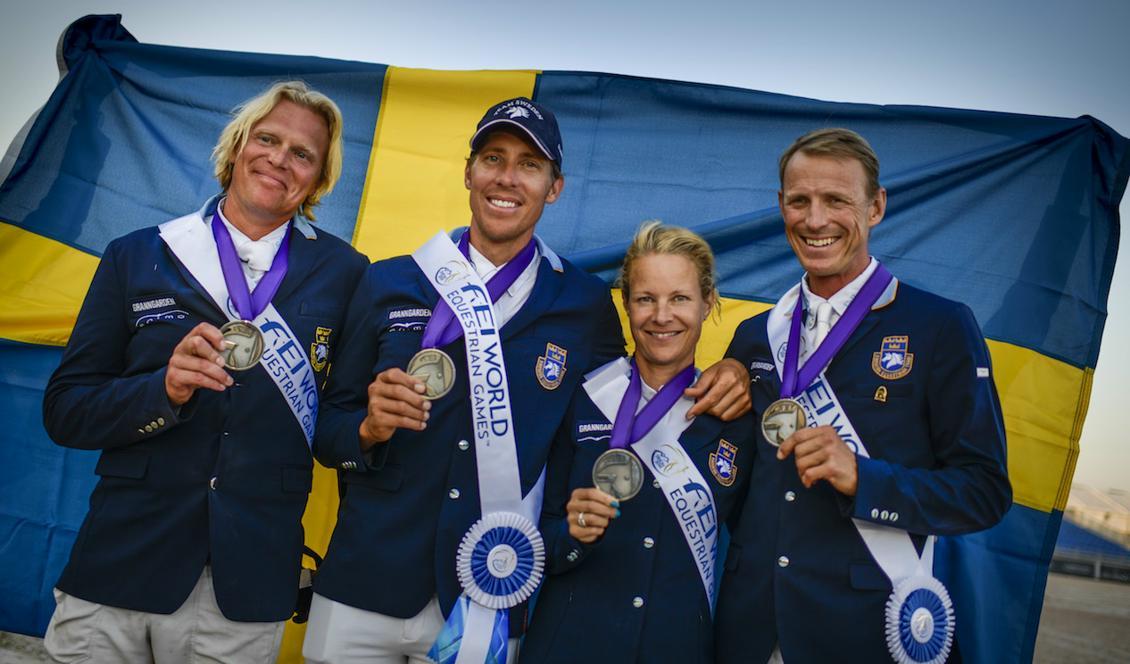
(234, 136)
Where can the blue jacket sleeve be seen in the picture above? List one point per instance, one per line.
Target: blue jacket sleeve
(89, 403)
(968, 489)
(337, 441)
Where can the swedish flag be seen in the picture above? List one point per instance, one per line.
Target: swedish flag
(1015, 215)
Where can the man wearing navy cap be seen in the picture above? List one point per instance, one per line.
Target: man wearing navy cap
(457, 366)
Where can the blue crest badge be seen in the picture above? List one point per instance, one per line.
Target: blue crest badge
(892, 361)
(550, 369)
(320, 348)
(722, 465)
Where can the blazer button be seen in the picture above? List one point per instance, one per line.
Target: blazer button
(453, 494)
(160, 421)
(141, 430)
(464, 445)
(894, 516)
(637, 601)
(572, 557)
(783, 561)
(655, 483)
(148, 428)
(790, 496)
(213, 482)
(648, 542)
(874, 514)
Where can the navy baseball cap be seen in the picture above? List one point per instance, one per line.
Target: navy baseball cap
(534, 120)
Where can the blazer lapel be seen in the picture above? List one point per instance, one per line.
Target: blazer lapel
(300, 261)
(546, 289)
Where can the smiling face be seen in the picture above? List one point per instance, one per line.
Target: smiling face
(666, 309)
(828, 216)
(276, 169)
(510, 183)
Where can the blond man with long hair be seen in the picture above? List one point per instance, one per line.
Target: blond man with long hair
(195, 367)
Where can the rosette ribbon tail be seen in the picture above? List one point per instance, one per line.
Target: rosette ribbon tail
(455, 645)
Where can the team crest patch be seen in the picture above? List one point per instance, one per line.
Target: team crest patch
(551, 367)
(722, 465)
(320, 348)
(892, 361)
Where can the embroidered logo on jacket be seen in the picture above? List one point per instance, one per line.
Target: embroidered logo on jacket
(892, 361)
(550, 370)
(153, 309)
(320, 348)
(722, 465)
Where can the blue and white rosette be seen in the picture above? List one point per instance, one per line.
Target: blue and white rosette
(920, 621)
(501, 560)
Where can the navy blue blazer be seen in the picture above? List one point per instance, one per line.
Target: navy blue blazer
(798, 572)
(634, 595)
(407, 506)
(226, 480)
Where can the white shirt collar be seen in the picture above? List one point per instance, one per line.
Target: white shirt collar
(487, 269)
(843, 297)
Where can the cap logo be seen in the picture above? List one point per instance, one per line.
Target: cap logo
(517, 112)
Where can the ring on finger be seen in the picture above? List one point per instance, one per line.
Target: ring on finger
(581, 520)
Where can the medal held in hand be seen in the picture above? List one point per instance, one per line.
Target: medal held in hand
(243, 345)
(618, 471)
(243, 341)
(435, 368)
(781, 419)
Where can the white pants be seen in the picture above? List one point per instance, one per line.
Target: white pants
(341, 634)
(82, 631)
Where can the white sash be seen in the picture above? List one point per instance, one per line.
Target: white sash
(496, 454)
(191, 241)
(686, 491)
(891, 548)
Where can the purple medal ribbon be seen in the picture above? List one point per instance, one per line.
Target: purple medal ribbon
(631, 426)
(248, 304)
(794, 382)
(442, 329)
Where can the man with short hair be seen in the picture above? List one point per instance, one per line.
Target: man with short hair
(195, 366)
(832, 558)
(443, 484)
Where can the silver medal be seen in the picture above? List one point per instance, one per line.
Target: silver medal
(618, 473)
(782, 419)
(243, 345)
(435, 368)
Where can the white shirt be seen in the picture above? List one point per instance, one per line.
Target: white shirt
(839, 303)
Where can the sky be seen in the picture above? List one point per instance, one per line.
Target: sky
(1042, 57)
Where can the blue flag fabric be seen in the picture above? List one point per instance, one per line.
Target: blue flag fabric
(1015, 215)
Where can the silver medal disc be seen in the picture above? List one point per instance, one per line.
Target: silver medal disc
(435, 368)
(782, 419)
(243, 345)
(618, 473)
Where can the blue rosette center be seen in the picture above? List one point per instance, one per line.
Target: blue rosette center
(920, 621)
(501, 560)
